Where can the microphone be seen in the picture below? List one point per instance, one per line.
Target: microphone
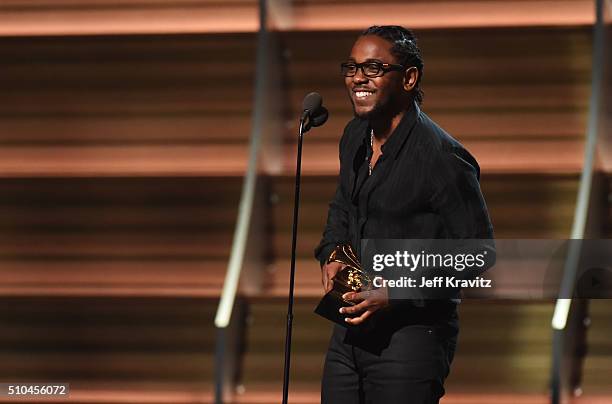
(312, 102)
(320, 118)
(313, 112)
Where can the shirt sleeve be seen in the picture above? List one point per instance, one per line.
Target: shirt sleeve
(458, 200)
(336, 228)
(457, 197)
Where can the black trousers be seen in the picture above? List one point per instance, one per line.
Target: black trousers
(403, 356)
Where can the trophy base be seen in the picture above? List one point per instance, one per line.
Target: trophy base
(329, 308)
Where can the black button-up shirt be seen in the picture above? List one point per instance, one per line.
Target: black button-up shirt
(424, 186)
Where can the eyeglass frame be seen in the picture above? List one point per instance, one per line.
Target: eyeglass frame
(384, 68)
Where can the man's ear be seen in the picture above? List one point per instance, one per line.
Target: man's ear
(411, 75)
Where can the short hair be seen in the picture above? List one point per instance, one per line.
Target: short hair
(404, 47)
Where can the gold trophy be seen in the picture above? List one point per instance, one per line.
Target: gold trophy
(352, 278)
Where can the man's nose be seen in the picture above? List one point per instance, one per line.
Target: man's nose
(359, 77)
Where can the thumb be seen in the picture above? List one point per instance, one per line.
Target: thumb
(330, 285)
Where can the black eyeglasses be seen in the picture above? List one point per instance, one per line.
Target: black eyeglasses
(369, 69)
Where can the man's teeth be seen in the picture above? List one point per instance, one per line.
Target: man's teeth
(362, 94)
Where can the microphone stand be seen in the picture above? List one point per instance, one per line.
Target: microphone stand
(296, 206)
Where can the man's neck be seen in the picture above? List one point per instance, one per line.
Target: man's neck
(383, 127)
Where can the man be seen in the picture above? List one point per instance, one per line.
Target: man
(402, 177)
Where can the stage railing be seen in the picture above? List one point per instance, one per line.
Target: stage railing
(231, 314)
(570, 317)
(252, 242)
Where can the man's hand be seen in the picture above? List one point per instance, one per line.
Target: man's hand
(328, 271)
(370, 301)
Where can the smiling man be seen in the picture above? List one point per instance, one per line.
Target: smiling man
(402, 177)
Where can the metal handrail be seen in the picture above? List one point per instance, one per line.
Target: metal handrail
(565, 332)
(247, 198)
(563, 305)
(228, 302)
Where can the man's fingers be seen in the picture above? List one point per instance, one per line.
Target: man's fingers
(356, 308)
(328, 271)
(356, 296)
(327, 281)
(360, 319)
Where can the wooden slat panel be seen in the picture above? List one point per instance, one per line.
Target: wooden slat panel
(113, 237)
(263, 361)
(118, 346)
(136, 106)
(503, 347)
(105, 277)
(106, 17)
(314, 15)
(154, 127)
(134, 161)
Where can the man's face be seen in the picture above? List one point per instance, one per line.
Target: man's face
(372, 96)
